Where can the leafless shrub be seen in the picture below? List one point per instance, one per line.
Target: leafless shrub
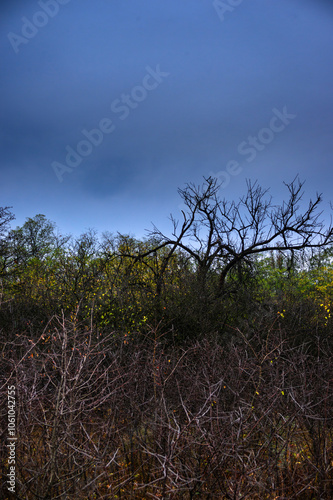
(111, 416)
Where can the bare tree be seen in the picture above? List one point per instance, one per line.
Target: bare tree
(223, 234)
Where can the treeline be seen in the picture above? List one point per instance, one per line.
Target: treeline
(105, 284)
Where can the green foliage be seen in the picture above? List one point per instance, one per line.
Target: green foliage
(106, 285)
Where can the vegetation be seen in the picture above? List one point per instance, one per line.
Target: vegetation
(192, 366)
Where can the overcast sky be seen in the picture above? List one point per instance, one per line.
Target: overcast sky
(109, 106)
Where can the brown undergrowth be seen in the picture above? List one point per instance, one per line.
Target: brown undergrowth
(111, 416)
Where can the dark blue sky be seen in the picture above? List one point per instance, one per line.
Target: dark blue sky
(178, 89)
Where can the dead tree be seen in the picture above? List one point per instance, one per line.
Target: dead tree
(220, 234)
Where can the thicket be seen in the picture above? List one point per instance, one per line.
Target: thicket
(192, 366)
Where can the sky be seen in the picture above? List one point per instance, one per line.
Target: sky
(108, 107)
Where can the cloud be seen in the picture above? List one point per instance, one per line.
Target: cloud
(225, 79)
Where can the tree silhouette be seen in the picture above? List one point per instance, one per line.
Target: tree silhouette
(224, 234)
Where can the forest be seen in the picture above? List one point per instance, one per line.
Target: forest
(197, 364)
